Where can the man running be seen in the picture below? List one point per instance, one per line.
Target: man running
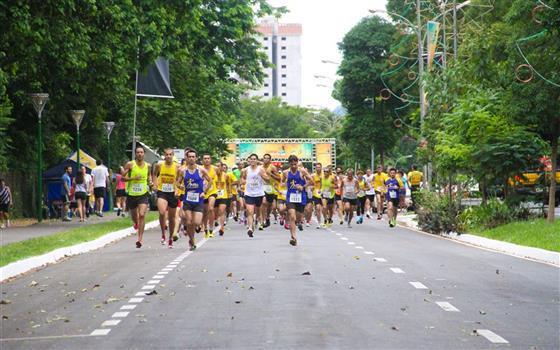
(6, 201)
(164, 178)
(192, 179)
(328, 188)
(120, 193)
(232, 190)
(136, 174)
(254, 177)
(350, 188)
(281, 201)
(360, 210)
(222, 195)
(297, 178)
(240, 193)
(415, 178)
(370, 192)
(208, 218)
(101, 180)
(338, 194)
(393, 187)
(270, 194)
(379, 184)
(316, 194)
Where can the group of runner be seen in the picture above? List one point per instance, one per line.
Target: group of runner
(193, 197)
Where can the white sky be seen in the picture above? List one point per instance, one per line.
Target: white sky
(325, 22)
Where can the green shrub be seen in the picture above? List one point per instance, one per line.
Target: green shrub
(493, 214)
(437, 213)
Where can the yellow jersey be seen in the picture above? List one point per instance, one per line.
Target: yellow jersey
(232, 188)
(212, 175)
(282, 189)
(167, 177)
(415, 177)
(317, 185)
(222, 183)
(270, 187)
(379, 181)
(138, 187)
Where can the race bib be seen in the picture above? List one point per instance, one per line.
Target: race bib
(137, 188)
(370, 191)
(167, 188)
(253, 185)
(267, 188)
(326, 194)
(193, 197)
(392, 194)
(295, 197)
(221, 193)
(361, 193)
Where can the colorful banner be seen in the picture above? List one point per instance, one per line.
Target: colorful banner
(278, 151)
(324, 153)
(432, 34)
(230, 158)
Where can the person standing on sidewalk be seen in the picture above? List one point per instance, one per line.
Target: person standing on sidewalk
(136, 174)
(120, 193)
(89, 186)
(100, 183)
(6, 202)
(65, 193)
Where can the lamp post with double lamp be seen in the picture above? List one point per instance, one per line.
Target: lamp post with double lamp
(39, 101)
(109, 128)
(78, 116)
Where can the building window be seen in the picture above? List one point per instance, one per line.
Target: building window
(265, 38)
(266, 93)
(283, 94)
(266, 48)
(283, 47)
(283, 84)
(283, 75)
(266, 85)
(283, 38)
(283, 66)
(283, 57)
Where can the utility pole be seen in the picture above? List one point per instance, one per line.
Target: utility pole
(420, 74)
(455, 29)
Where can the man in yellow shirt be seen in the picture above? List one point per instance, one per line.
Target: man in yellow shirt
(379, 185)
(415, 178)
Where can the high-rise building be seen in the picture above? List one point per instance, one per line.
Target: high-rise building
(282, 44)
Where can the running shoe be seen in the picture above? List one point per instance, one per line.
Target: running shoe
(235, 218)
(267, 223)
(349, 226)
(119, 212)
(221, 232)
(170, 243)
(286, 226)
(368, 216)
(211, 234)
(324, 226)
(193, 247)
(261, 227)
(307, 224)
(162, 240)
(341, 222)
(300, 226)
(378, 217)
(198, 229)
(138, 244)
(216, 224)
(250, 233)
(175, 238)
(293, 242)
(281, 222)
(318, 227)
(206, 235)
(136, 226)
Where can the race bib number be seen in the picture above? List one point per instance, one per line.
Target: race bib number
(253, 185)
(137, 188)
(267, 188)
(392, 194)
(221, 193)
(193, 197)
(370, 191)
(326, 194)
(295, 197)
(167, 188)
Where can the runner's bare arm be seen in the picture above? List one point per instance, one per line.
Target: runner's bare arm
(275, 174)
(263, 174)
(126, 171)
(155, 174)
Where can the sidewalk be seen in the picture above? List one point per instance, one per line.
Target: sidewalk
(47, 227)
(537, 254)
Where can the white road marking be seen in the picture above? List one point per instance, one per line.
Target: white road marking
(149, 286)
(140, 294)
(351, 243)
(418, 285)
(491, 336)
(380, 259)
(110, 323)
(135, 300)
(368, 253)
(167, 269)
(128, 307)
(101, 331)
(339, 234)
(163, 273)
(120, 314)
(447, 306)
(153, 282)
(157, 277)
(344, 238)
(359, 247)
(396, 270)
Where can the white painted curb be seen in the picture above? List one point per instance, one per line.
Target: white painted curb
(22, 266)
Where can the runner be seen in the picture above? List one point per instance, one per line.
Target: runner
(338, 194)
(222, 195)
(120, 193)
(179, 227)
(379, 184)
(350, 188)
(360, 210)
(210, 195)
(101, 180)
(241, 193)
(296, 196)
(392, 185)
(328, 188)
(6, 201)
(270, 193)
(370, 192)
(281, 201)
(415, 178)
(308, 211)
(164, 179)
(316, 194)
(254, 177)
(136, 174)
(232, 190)
(192, 179)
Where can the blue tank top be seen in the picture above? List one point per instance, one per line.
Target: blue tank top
(194, 187)
(293, 195)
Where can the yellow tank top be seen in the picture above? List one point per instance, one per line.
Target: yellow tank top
(212, 175)
(327, 187)
(181, 191)
(221, 186)
(282, 189)
(138, 187)
(232, 188)
(270, 187)
(362, 187)
(379, 181)
(415, 177)
(317, 185)
(166, 178)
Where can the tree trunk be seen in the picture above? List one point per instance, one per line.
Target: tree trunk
(482, 185)
(552, 190)
(506, 188)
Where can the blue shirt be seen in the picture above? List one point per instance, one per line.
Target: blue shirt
(194, 186)
(66, 179)
(293, 195)
(392, 188)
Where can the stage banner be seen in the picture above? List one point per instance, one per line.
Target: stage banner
(324, 153)
(230, 158)
(278, 151)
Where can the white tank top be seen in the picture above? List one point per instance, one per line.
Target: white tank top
(369, 181)
(255, 183)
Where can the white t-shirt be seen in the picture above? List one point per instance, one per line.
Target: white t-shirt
(255, 183)
(87, 180)
(100, 174)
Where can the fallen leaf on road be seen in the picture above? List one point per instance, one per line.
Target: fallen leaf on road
(204, 270)
(5, 302)
(430, 291)
(162, 285)
(70, 293)
(351, 287)
(497, 272)
(43, 311)
(33, 284)
(356, 257)
(97, 306)
(306, 273)
(403, 308)
(172, 294)
(36, 326)
(395, 328)
(4, 317)
(153, 292)
(229, 274)
(277, 270)
(238, 301)
(142, 320)
(482, 312)
(111, 300)
(251, 288)
(122, 286)
(426, 300)
(95, 286)
(232, 317)
(373, 278)
(335, 282)
(84, 290)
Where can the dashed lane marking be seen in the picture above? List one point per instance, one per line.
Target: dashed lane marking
(148, 287)
(368, 253)
(418, 285)
(446, 306)
(135, 300)
(359, 247)
(491, 336)
(101, 331)
(396, 270)
(128, 307)
(110, 323)
(120, 314)
(380, 259)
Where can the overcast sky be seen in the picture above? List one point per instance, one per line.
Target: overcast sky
(325, 22)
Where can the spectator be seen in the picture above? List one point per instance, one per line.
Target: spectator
(100, 183)
(120, 194)
(80, 194)
(5, 204)
(89, 186)
(65, 193)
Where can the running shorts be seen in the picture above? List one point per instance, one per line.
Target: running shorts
(299, 207)
(270, 197)
(80, 195)
(352, 201)
(194, 207)
(212, 195)
(256, 201)
(328, 201)
(121, 193)
(395, 201)
(4, 208)
(220, 201)
(132, 202)
(169, 197)
(337, 197)
(317, 201)
(99, 192)
(370, 197)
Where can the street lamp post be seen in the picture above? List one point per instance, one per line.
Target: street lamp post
(78, 116)
(109, 128)
(39, 100)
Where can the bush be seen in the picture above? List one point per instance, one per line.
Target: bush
(438, 213)
(494, 213)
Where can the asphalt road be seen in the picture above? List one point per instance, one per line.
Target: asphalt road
(368, 287)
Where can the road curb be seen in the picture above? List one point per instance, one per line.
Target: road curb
(22, 266)
(529, 253)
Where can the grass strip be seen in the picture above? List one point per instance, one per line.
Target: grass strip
(533, 233)
(41, 245)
